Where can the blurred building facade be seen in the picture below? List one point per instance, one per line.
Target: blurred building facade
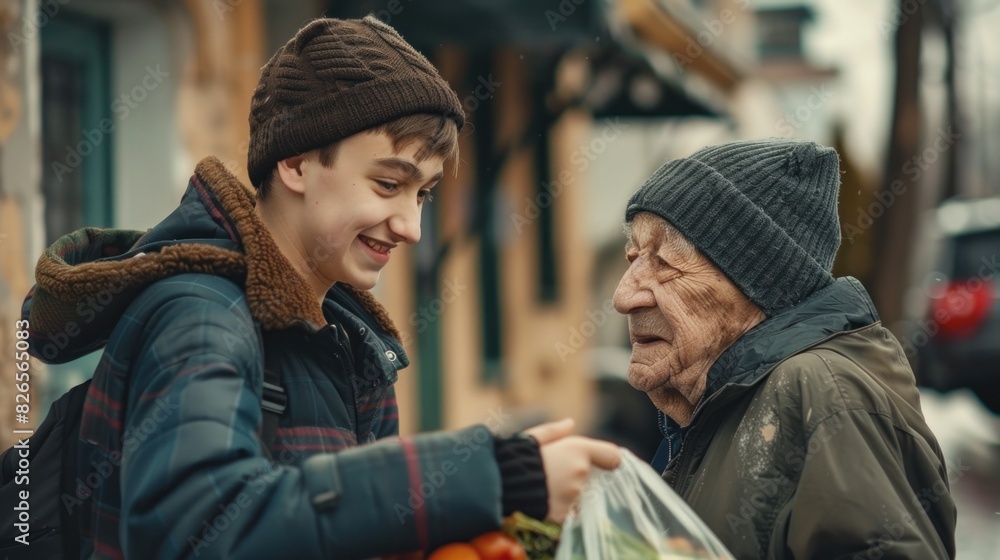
(108, 105)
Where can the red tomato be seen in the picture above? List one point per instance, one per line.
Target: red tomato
(498, 546)
(455, 551)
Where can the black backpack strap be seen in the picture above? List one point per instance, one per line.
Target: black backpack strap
(273, 399)
(273, 403)
(69, 518)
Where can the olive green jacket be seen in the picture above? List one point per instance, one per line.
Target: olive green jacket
(811, 444)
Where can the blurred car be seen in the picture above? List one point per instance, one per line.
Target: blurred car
(957, 340)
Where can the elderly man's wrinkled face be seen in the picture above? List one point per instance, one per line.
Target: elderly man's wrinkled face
(683, 312)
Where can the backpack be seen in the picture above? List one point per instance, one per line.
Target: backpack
(50, 457)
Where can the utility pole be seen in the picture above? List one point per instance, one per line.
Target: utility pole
(952, 185)
(895, 229)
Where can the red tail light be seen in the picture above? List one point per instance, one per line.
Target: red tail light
(962, 308)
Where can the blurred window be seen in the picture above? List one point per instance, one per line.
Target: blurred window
(76, 125)
(779, 31)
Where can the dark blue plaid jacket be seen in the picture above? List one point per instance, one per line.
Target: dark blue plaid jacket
(169, 440)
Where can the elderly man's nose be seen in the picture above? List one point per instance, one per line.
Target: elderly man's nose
(630, 296)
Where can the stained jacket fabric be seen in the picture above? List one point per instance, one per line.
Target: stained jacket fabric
(810, 442)
(187, 310)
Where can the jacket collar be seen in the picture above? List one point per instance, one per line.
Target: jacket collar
(840, 307)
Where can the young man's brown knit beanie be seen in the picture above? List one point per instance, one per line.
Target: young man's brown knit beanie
(336, 78)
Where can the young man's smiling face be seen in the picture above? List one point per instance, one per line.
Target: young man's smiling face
(342, 222)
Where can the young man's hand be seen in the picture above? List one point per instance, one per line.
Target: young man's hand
(567, 461)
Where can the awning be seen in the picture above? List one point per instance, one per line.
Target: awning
(625, 84)
(485, 23)
(679, 30)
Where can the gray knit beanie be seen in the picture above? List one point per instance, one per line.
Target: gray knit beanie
(764, 211)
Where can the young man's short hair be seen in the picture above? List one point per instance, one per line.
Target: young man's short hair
(437, 134)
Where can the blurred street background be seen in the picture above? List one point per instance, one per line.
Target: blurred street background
(107, 105)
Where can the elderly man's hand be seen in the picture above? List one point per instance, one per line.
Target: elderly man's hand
(567, 461)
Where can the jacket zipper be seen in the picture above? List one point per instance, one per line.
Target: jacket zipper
(690, 436)
(346, 347)
(670, 446)
(378, 405)
(346, 358)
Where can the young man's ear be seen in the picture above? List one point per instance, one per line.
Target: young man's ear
(290, 173)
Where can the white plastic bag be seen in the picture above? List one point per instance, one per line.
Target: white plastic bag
(631, 513)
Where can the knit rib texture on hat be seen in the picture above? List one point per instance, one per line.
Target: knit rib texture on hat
(337, 78)
(763, 211)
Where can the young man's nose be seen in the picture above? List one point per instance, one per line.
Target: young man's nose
(631, 295)
(405, 225)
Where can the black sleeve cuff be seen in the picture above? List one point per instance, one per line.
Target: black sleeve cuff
(522, 476)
